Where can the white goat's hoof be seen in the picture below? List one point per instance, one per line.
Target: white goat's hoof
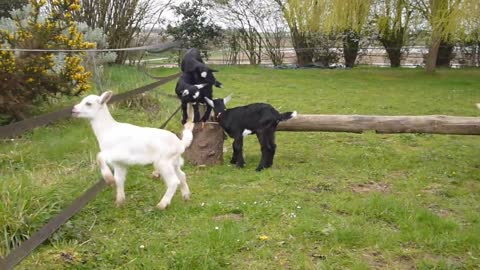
(162, 206)
(186, 197)
(120, 202)
(109, 179)
(155, 174)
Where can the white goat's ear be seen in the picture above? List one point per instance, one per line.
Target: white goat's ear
(209, 102)
(227, 99)
(200, 86)
(105, 97)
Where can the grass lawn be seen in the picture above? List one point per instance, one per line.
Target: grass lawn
(331, 200)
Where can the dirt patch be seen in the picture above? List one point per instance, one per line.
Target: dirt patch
(441, 212)
(434, 188)
(404, 262)
(67, 257)
(397, 175)
(236, 217)
(322, 187)
(371, 187)
(375, 260)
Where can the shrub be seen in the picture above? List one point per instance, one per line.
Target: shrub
(28, 78)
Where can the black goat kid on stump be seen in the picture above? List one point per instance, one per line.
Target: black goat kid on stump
(195, 84)
(192, 93)
(258, 118)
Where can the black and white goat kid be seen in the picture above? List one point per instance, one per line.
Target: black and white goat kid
(257, 118)
(195, 84)
(197, 71)
(191, 93)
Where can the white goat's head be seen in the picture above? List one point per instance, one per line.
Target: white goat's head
(90, 105)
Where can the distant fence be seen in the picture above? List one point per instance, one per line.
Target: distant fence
(413, 56)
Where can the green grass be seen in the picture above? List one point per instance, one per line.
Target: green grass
(304, 213)
(115, 78)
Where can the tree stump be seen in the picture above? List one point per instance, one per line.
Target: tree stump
(207, 144)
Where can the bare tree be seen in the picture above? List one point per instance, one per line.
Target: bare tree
(231, 55)
(241, 16)
(156, 19)
(270, 21)
(122, 21)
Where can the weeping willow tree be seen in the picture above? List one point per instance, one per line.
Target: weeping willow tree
(349, 18)
(393, 18)
(445, 18)
(305, 18)
(471, 36)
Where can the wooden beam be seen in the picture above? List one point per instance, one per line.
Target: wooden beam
(436, 124)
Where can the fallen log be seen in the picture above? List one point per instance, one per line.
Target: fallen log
(435, 124)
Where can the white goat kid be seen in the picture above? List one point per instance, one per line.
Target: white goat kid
(123, 144)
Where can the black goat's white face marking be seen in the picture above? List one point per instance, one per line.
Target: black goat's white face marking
(185, 93)
(203, 74)
(196, 95)
(218, 105)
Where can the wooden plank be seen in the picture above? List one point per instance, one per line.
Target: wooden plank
(26, 247)
(434, 124)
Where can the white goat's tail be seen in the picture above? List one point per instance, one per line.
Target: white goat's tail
(187, 134)
(478, 105)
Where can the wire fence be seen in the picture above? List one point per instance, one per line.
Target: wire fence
(411, 56)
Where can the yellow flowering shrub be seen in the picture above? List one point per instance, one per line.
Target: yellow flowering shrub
(28, 77)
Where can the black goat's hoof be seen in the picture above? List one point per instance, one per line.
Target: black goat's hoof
(233, 161)
(259, 168)
(240, 165)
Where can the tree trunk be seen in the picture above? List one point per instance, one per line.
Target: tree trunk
(350, 48)
(432, 53)
(393, 45)
(302, 49)
(445, 54)
(436, 124)
(395, 55)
